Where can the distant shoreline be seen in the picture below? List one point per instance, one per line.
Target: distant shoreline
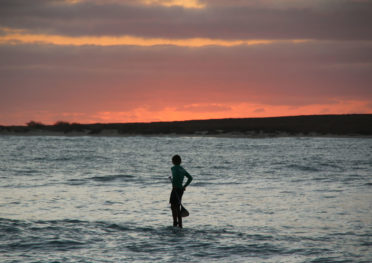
(354, 125)
(233, 135)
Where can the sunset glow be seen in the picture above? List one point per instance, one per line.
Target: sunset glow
(132, 41)
(165, 60)
(165, 3)
(182, 3)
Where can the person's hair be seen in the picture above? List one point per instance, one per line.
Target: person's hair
(176, 160)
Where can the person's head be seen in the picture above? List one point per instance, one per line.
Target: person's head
(176, 160)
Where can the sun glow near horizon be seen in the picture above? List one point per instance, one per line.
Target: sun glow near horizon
(188, 112)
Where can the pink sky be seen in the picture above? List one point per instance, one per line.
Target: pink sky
(163, 60)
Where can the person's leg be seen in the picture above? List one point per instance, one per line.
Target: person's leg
(179, 216)
(174, 214)
(179, 194)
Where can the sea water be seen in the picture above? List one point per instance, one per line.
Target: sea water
(106, 199)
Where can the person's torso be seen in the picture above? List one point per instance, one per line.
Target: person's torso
(178, 174)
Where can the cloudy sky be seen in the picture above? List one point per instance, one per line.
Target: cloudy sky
(160, 60)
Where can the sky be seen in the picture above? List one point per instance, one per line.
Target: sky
(112, 61)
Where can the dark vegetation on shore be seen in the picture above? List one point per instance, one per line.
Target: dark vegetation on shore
(347, 125)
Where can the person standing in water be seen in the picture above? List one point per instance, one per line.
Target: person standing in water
(178, 174)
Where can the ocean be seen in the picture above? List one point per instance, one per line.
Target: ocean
(106, 199)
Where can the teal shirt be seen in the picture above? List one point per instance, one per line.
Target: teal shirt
(178, 174)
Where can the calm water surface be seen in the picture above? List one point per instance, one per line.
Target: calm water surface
(105, 199)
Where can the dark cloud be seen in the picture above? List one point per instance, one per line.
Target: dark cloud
(328, 19)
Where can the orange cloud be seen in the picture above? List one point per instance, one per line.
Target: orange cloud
(166, 3)
(16, 36)
(182, 3)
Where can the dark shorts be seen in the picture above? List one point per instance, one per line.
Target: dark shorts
(176, 196)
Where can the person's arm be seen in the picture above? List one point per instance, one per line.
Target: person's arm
(171, 177)
(189, 179)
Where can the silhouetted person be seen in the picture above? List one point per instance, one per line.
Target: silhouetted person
(178, 174)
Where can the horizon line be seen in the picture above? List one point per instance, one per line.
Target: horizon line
(187, 120)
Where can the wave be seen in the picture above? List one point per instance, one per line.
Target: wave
(104, 178)
(26, 239)
(44, 245)
(21, 235)
(109, 178)
(304, 168)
